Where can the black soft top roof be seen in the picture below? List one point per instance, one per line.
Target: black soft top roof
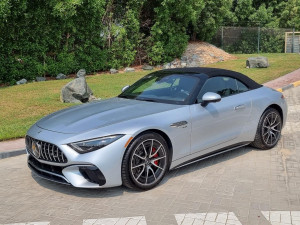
(213, 72)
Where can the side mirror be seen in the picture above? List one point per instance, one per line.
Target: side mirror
(210, 97)
(124, 88)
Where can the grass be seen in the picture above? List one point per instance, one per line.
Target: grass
(22, 105)
(280, 64)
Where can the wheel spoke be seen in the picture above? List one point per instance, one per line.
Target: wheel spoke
(276, 124)
(144, 149)
(147, 174)
(152, 172)
(151, 155)
(268, 138)
(271, 138)
(140, 173)
(158, 158)
(274, 120)
(142, 164)
(157, 166)
(272, 128)
(139, 156)
(151, 148)
(268, 120)
(265, 133)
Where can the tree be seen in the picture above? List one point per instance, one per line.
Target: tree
(290, 16)
(213, 15)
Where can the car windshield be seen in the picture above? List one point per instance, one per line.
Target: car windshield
(166, 88)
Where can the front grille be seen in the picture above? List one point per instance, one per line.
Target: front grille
(45, 151)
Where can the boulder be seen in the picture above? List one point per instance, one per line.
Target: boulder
(129, 69)
(81, 73)
(175, 63)
(257, 62)
(39, 79)
(113, 71)
(184, 58)
(147, 67)
(167, 66)
(61, 76)
(193, 64)
(183, 64)
(76, 91)
(23, 81)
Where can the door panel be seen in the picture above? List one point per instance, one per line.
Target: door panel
(219, 122)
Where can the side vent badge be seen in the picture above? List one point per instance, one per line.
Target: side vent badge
(182, 124)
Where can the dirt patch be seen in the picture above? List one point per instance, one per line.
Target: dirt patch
(206, 52)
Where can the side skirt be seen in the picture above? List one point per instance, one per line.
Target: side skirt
(214, 153)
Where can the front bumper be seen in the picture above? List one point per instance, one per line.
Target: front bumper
(89, 175)
(97, 169)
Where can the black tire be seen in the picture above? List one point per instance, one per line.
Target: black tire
(268, 130)
(140, 168)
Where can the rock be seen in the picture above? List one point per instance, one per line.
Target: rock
(193, 64)
(113, 71)
(220, 59)
(184, 58)
(129, 69)
(167, 66)
(93, 98)
(39, 79)
(175, 63)
(257, 62)
(81, 73)
(183, 64)
(76, 91)
(61, 76)
(147, 67)
(23, 81)
(173, 66)
(195, 57)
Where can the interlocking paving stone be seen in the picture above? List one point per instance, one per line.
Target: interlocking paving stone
(212, 218)
(117, 221)
(282, 217)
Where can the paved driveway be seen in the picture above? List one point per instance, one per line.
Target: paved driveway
(245, 186)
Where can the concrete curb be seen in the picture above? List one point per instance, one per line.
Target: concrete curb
(13, 153)
(294, 84)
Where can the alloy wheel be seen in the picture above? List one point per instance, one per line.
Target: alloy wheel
(148, 162)
(271, 128)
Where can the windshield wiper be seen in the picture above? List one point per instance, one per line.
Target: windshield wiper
(146, 99)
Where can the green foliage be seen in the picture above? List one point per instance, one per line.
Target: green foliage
(212, 17)
(271, 41)
(39, 38)
(290, 16)
(168, 34)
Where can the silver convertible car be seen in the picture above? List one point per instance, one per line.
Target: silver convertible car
(168, 119)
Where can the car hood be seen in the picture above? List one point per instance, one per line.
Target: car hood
(99, 114)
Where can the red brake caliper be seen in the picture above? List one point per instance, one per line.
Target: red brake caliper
(155, 156)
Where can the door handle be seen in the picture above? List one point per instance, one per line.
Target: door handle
(239, 107)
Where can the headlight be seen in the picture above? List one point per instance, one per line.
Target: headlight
(94, 144)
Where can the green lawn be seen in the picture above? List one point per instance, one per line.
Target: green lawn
(22, 105)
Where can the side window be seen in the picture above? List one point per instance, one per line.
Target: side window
(241, 87)
(224, 86)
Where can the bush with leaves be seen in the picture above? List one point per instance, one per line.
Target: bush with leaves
(271, 41)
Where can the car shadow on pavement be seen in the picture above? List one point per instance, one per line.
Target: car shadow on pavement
(208, 162)
(118, 191)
